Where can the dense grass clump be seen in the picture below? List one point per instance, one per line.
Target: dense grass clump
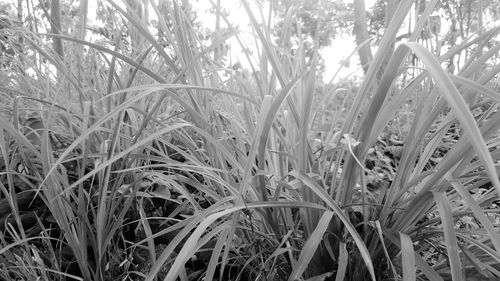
(144, 154)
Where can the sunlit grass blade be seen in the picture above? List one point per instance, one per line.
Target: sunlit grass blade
(132, 18)
(385, 50)
(14, 133)
(460, 108)
(477, 87)
(271, 57)
(476, 64)
(384, 248)
(214, 258)
(324, 196)
(420, 263)
(114, 158)
(408, 258)
(264, 124)
(186, 226)
(121, 56)
(478, 39)
(477, 211)
(187, 250)
(478, 265)
(311, 246)
(450, 237)
(481, 245)
(343, 262)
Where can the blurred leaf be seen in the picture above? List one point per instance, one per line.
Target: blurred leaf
(408, 258)
(343, 261)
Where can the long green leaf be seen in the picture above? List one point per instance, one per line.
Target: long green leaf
(145, 32)
(408, 258)
(343, 262)
(311, 246)
(457, 103)
(477, 211)
(323, 195)
(450, 237)
(422, 265)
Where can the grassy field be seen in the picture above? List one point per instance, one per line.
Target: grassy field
(145, 155)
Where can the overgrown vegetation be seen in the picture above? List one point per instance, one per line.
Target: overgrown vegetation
(137, 151)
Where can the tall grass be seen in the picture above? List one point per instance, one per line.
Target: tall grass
(150, 161)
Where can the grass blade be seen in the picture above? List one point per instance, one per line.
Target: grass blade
(450, 237)
(462, 112)
(323, 195)
(310, 247)
(343, 260)
(408, 258)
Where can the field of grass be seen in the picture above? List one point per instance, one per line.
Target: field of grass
(143, 155)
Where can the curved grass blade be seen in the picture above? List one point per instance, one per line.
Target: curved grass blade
(389, 261)
(422, 265)
(408, 258)
(147, 35)
(450, 237)
(310, 246)
(187, 250)
(342, 264)
(323, 195)
(477, 211)
(459, 106)
(186, 227)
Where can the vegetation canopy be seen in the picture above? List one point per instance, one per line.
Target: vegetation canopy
(162, 141)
